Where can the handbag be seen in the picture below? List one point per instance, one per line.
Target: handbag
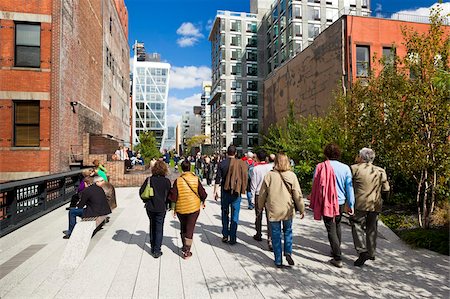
(148, 193)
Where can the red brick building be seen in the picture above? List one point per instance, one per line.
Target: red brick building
(53, 80)
(341, 54)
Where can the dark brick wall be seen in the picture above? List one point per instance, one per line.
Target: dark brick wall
(309, 79)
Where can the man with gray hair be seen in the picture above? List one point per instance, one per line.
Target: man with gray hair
(369, 183)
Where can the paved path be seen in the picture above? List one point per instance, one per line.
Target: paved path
(118, 263)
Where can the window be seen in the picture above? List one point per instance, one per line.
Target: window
(252, 27)
(314, 13)
(252, 128)
(332, 14)
(365, 3)
(313, 31)
(252, 85)
(235, 85)
(236, 54)
(297, 29)
(252, 55)
(252, 99)
(252, 114)
(235, 26)
(237, 127)
(252, 41)
(237, 141)
(297, 12)
(236, 69)
(26, 123)
(236, 40)
(252, 70)
(110, 25)
(236, 98)
(109, 104)
(28, 45)
(388, 56)
(362, 61)
(252, 141)
(236, 113)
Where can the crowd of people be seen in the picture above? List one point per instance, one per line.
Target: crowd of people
(130, 157)
(272, 188)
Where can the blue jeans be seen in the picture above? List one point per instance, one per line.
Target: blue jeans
(156, 230)
(249, 200)
(276, 239)
(228, 200)
(73, 213)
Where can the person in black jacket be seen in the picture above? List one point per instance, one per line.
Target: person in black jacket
(156, 206)
(93, 203)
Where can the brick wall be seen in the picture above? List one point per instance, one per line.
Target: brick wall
(116, 103)
(20, 83)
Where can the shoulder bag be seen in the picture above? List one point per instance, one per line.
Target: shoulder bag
(148, 193)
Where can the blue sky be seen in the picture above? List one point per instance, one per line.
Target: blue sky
(178, 30)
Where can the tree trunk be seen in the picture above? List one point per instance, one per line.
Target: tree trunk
(419, 210)
(426, 216)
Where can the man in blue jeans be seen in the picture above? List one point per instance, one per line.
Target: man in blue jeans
(232, 178)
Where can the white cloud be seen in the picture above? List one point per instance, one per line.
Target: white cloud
(190, 35)
(189, 29)
(188, 76)
(177, 107)
(421, 14)
(187, 41)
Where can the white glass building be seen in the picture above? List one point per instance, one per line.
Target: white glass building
(149, 95)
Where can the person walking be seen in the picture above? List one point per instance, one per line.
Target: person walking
(187, 195)
(370, 184)
(232, 177)
(250, 164)
(332, 188)
(280, 193)
(259, 172)
(208, 171)
(156, 206)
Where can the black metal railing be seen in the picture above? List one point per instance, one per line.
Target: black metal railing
(23, 201)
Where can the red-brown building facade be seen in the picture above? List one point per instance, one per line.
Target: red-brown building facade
(53, 81)
(341, 54)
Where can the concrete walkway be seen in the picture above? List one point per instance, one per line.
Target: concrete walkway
(118, 263)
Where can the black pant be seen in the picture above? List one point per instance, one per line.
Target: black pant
(333, 225)
(156, 229)
(258, 222)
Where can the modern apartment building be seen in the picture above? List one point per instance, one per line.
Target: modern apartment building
(53, 78)
(235, 82)
(291, 25)
(149, 95)
(206, 110)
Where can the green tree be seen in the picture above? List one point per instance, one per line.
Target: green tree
(148, 146)
(403, 113)
(194, 141)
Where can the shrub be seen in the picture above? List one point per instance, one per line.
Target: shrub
(441, 216)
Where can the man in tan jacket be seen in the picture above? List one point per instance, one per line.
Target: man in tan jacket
(369, 182)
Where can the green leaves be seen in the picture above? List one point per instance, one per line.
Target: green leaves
(148, 146)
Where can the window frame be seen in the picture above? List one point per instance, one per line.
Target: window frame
(15, 124)
(27, 46)
(360, 62)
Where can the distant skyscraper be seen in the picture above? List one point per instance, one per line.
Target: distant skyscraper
(206, 110)
(150, 92)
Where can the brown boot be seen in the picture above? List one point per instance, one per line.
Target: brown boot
(187, 252)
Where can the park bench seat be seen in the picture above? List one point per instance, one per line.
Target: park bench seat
(78, 244)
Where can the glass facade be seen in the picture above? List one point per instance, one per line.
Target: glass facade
(150, 92)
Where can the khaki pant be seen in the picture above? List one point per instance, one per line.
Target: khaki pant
(258, 222)
(364, 231)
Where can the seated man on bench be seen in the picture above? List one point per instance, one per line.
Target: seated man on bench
(93, 203)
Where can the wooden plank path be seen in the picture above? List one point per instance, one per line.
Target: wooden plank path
(118, 263)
